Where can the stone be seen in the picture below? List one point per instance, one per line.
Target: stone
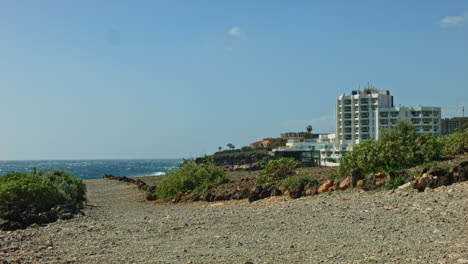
(326, 186)
(311, 188)
(374, 181)
(275, 190)
(241, 194)
(422, 182)
(255, 193)
(460, 172)
(436, 171)
(208, 197)
(346, 183)
(297, 191)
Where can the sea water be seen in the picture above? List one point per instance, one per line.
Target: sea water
(94, 169)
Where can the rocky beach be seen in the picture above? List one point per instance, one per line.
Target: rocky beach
(121, 226)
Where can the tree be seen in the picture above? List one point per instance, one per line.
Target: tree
(231, 146)
(308, 134)
(220, 148)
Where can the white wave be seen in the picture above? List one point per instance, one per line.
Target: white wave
(159, 173)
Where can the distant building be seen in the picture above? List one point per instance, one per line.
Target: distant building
(450, 124)
(262, 143)
(362, 114)
(293, 135)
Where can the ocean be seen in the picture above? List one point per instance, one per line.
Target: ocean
(94, 169)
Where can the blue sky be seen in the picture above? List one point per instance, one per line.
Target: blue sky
(166, 79)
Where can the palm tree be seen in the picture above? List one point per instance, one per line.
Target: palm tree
(220, 148)
(231, 146)
(309, 129)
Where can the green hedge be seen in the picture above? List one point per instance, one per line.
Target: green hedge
(397, 148)
(277, 170)
(189, 178)
(456, 143)
(41, 191)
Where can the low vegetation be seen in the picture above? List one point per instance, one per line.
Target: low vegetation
(190, 178)
(456, 143)
(40, 191)
(277, 170)
(397, 148)
(294, 180)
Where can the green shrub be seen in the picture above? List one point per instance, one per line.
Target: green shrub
(276, 170)
(456, 143)
(398, 180)
(294, 180)
(69, 187)
(190, 177)
(397, 148)
(40, 191)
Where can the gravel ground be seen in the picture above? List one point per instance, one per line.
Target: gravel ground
(342, 227)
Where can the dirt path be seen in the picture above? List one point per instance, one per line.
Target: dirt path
(344, 227)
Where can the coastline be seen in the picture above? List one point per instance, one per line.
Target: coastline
(346, 227)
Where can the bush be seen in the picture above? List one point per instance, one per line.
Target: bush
(456, 143)
(40, 191)
(398, 148)
(276, 170)
(71, 189)
(190, 177)
(294, 180)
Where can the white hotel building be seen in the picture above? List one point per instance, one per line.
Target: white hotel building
(362, 115)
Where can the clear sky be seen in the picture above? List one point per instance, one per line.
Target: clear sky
(172, 79)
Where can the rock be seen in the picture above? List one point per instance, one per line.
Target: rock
(275, 190)
(326, 186)
(311, 188)
(404, 186)
(52, 215)
(433, 178)
(43, 218)
(436, 171)
(66, 216)
(359, 183)
(357, 175)
(255, 193)
(460, 172)
(208, 197)
(422, 182)
(297, 191)
(346, 183)
(241, 194)
(151, 196)
(374, 181)
(195, 197)
(265, 193)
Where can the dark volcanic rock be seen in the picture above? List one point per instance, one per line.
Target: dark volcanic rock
(241, 194)
(460, 172)
(374, 181)
(255, 193)
(311, 188)
(275, 190)
(297, 191)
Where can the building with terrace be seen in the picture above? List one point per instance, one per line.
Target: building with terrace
(362, 115)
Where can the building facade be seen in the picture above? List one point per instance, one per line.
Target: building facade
(362, 115)
(450, 124)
